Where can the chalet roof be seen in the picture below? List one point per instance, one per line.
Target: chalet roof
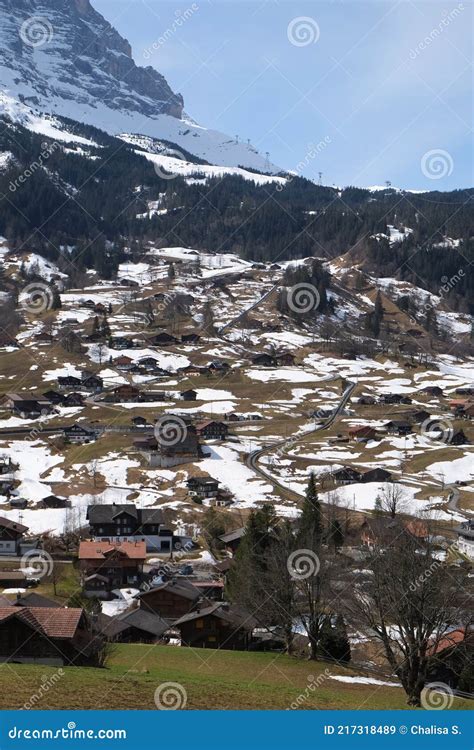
(374, 475)
(207, 422)
(107, 513)
(235, 616)
(453, 638)
(361, 429)
(32, 599)
(52, 622)
(12, 575)
(7, 523)
(140, 618)
(179, 588)
(89, 550)
(232, 536)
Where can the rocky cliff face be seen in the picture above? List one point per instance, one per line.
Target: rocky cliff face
(65, 49)
(61, 57)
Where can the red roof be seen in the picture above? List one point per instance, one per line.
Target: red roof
(53, 622)
(99, 550)
(454, 638)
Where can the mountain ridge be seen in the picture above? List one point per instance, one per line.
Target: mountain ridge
(64, 58)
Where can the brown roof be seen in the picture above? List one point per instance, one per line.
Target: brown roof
(206, 423)
(98, 550)
(52, 622)
(179, 588)
(7, 523)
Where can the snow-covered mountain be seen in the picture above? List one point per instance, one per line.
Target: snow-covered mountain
(61, 57)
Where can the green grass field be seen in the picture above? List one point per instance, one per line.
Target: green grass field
(211, 679)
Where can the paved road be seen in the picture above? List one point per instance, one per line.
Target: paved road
(255, 456)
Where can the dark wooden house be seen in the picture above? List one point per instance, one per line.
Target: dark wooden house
(11, 535)
(171, 599)
(216, 626)
(42, 635)
(212, 430)
(127, 523)
(120, 562)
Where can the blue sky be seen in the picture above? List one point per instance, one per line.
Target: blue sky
(383, 86)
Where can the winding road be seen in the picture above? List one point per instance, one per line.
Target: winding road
(255, 456)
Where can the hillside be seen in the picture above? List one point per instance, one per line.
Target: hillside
(211, 680)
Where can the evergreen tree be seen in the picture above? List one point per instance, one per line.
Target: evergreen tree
(334, 642)
(336, 534)
(311, 520)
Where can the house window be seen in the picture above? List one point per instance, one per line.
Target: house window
(212, 639)
(199, 624)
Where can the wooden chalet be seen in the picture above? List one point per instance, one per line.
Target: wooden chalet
(217, 626)
(285, 359)
(163, 339)
(212, 430)
(132, 626)
(73, 399)
(123, 363)
(190, 338)
(189, 395)
(67, 382)
(376, 475)
(11, 535)
(171, 599)
(125, 393)
(91, 382)
(79, 435)
(398, 427)
(53, 397)
(46, 635)
(362, 433)
(346, 475)
(127, 523)
(54, 501)
(203, 487)
(120, 562)
(232, 539)
(394, 398)
(264, 359)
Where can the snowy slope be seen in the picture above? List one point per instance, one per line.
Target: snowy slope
(82, 69)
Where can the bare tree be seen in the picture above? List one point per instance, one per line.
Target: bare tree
(410, 602)
(393, 499)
